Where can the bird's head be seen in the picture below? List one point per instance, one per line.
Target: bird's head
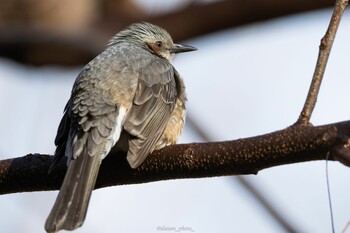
(151, 37)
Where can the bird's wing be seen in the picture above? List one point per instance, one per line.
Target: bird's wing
(61, 139)
(90, 126)
(153, 103)
(91, 118)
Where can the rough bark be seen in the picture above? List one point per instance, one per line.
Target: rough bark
(299, 143)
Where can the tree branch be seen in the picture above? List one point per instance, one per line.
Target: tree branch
(298, 143)
(323, 55)
(27, 42)
(294, 144)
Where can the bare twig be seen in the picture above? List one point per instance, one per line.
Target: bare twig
(298, 143)
(347, 226)
(325, 48)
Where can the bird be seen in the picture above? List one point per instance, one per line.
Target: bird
(128, 98)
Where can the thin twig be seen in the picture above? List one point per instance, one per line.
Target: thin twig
(325, 48)
(329, 195)
(347, 226)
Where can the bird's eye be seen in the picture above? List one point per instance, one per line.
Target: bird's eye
(159, 43)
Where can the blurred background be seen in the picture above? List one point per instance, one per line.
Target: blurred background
(250, 76)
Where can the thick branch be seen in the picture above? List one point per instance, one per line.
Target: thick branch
(28, 43)
(298, 143)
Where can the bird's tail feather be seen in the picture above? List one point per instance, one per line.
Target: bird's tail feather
(70, 208)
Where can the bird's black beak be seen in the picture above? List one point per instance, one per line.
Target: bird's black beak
(178, 48)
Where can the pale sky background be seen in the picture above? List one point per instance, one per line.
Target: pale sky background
(241, 82)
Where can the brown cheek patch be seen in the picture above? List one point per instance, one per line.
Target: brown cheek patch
(152, 47)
